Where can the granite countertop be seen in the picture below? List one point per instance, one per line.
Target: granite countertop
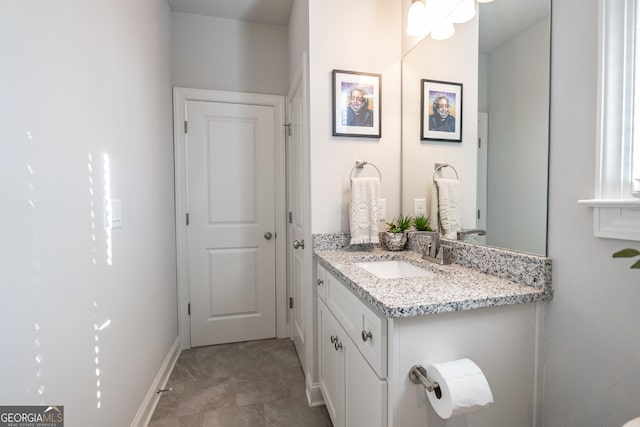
(450, 287)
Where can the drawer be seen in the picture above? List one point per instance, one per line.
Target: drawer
(366, 328)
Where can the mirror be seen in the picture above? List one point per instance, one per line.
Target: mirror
(502, 59)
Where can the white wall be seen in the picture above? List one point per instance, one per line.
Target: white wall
(86, 80)
(298, 35)
(225, 54)
(457, 61)
(518, 140)
(483, 78)
(592, 373)
(365, 36)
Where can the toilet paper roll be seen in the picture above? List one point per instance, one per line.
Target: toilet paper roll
(464, 388)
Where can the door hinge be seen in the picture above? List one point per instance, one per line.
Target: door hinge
(189, 309)
(290, 218)
(479, 142)
(478, 213)
(187, 218)
(185, 126)
(290, 302)
(288, 126)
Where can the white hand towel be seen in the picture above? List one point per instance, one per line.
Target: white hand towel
(363, 210)
(447, 207)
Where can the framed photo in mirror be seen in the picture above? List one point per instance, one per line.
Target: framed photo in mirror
(357, 104)
(441, 111)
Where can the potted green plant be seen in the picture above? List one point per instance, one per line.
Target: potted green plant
(422, 223)
(396, 236)
(628, 253)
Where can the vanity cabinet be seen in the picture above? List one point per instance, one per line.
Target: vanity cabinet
(365, 357)
(351, 368)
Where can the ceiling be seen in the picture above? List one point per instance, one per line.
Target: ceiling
(274, 12)
(501, 20)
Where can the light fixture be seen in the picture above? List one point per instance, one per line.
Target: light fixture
(438, 16)
(443, 30)
(417, 19)
(465, 12)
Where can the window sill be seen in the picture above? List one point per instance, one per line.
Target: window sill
(615, 218)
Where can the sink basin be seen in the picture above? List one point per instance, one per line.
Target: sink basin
(393, 269)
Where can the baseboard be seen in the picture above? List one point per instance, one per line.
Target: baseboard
(150, 401)
(314, 395)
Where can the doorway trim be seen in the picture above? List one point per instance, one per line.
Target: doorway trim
(180, 97)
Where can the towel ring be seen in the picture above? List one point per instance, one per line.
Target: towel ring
(441, 166)
(360, 165)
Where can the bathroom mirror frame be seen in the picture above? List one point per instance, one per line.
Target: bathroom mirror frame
(518, 128)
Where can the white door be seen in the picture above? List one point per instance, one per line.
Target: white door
(230, 236)
(296, 229)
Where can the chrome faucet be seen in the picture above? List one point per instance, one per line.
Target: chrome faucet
(434, 252)
(464, 233)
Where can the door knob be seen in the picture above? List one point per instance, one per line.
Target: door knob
(268, 235)
(297, 244)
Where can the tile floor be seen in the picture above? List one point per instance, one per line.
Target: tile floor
(252, 384)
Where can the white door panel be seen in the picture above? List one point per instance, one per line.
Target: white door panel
(233, 292)
(230, 200)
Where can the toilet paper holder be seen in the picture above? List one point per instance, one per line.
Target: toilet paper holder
(418, 375)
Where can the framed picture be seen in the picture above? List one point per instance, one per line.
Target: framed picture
(441, 111)
(356, 104)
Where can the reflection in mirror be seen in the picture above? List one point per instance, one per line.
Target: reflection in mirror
(502, 60)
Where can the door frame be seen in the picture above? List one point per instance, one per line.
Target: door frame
(310, 306)
(299, 82)
(180, 97)
(482, 201)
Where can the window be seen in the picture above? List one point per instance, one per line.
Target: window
(635, 160)
(616, 211)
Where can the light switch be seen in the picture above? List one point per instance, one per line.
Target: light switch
(112, 213)
(116, 221)
(420, 207)
(382, 209)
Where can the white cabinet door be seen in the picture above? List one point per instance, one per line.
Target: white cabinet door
(332, 364)
(366, 394)
(353, 393)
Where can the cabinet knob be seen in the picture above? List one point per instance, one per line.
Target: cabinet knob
(334, 339)
(337, 345)
(297, 244)
(319, 282)
(366, 335)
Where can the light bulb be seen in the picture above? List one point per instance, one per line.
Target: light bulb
(417, 19)
(464, 12)
(438, 10)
